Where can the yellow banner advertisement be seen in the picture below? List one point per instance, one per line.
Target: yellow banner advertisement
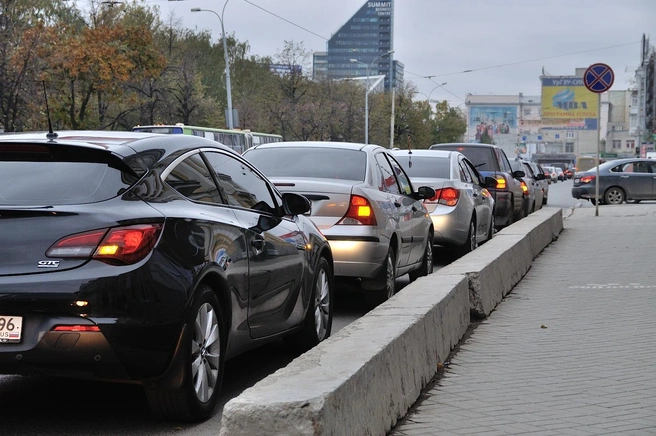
(568, 98)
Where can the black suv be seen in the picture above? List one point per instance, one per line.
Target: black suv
(491, 161)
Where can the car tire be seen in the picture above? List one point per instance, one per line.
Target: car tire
(614, 195)
(544, 201)
(492, 229)
(386, 281)
(633, 201)
(471, 243)
(203, 364)
(426, 261)
(319, 317)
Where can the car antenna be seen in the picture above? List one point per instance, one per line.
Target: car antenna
(50, 135)
(409, 152)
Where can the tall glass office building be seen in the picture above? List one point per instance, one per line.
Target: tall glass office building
(360, 47)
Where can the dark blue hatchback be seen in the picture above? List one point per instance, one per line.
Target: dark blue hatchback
(151, 259)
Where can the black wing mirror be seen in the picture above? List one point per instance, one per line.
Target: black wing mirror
(295, 204)
(518, 174)
(490, 182)
(540, 177)
(423, 193)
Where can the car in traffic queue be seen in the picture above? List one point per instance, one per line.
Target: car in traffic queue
(491, 161)
(550, 173)
(543, 181)
(560, 174)
(365, 205)
(534, 193)
(462, 209)
(151, 259)
(569, 172)
(620, 180)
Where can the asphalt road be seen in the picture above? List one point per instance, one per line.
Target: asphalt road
(52, 406)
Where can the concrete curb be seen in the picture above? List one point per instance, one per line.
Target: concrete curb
(363, 379)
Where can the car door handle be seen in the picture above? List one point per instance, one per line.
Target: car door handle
(475, 195)
(414, 208)
(624, 177)
(397, 204)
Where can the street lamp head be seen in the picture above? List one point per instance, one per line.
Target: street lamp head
(195, 9)
(355, 61)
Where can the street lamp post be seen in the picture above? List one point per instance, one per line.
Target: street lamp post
(366, 95)
(429, 94)
(227, 61)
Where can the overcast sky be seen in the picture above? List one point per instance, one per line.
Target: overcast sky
(446, 37)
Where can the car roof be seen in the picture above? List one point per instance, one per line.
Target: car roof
(318, 144)
(148, 148)
(465, 144)
(430, 153)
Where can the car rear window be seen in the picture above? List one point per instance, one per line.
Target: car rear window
(312, 162)
(482, 157)
(38, 175)
(422, 166)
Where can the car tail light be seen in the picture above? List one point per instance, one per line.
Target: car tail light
(445, 196)
(119, 245)
(359, 212)
(76, 328)
(524, 187)
(501, 182)
(587, 179)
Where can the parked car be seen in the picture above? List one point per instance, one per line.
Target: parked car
(542, 181)
(560, 174)
(569, 172)
(491, 161)
(151, 259)
(462, 208)
(363, 202)
(533, 194)
(620, 180)
(551, 173)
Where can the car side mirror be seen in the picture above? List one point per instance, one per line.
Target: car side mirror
(518, 174)
(540, 177)
(423, 192)
(490, 182)
(295, 204)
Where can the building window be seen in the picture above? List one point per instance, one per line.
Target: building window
(527, 112)
(617, 144)
(630, 144)
(569, 147)
(569, 134)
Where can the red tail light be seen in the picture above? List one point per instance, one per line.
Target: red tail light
(76, 328)
(359, 213)
(524, 187)
(587, 179)
(120, 245)
(445, 196)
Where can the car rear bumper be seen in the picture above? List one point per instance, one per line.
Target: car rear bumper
(584, 192)
(451, 225)
(357, 257)
(503, 206)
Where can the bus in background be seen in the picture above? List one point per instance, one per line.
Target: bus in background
(238, 140)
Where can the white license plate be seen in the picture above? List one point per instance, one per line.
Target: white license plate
(577, 180)
(10, 328)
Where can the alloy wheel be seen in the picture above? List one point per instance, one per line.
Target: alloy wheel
(205, 352)
(322, 304)
(429, 255)
(614, 196)
(390, 280)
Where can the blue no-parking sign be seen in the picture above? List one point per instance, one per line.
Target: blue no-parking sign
(598, 78)
(539, 137)
(557, 135)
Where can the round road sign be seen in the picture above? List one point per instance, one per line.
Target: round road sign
(598, 78)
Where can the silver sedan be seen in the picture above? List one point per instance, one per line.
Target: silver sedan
(462, 209)
(363, 202)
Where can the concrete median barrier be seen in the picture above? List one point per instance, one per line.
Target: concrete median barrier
(363, 379)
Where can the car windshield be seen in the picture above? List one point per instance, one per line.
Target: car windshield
(310, 162)
(424, 166)
(44, 176)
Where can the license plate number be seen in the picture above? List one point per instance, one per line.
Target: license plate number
(10, 329)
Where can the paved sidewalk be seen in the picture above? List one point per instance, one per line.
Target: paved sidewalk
(570, 351)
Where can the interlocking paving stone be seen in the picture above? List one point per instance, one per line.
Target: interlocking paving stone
(590, 371)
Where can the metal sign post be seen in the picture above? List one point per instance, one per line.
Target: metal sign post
(598, 78)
